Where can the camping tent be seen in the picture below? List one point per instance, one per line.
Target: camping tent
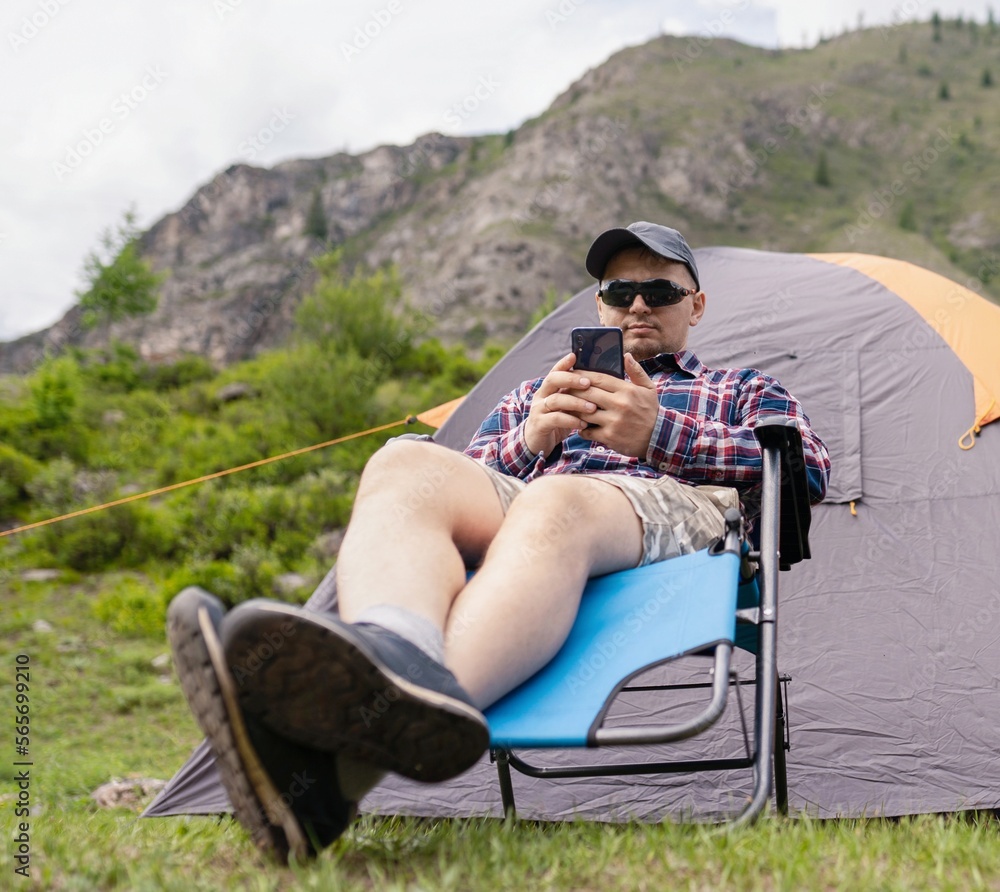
(891, 633)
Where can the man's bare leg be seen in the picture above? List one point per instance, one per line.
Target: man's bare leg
(421, 512)
(375, 693)
(513, 616)
(424, 512)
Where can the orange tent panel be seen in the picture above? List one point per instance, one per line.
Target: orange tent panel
(965, 320)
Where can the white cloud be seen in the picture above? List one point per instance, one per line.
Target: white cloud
(224, 68)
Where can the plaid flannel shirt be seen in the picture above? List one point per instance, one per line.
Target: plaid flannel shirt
(703, 433)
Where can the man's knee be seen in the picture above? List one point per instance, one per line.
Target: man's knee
(417, 475)
(405, 464)
(561, 504)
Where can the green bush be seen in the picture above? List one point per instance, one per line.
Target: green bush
(114, 369)
(118, 369)
(92, 542)
(189, 369)
(283, 518)
(218, 577)
(157, 534)
(51, 487)
(17, 470)
(54, 390)
(132, 607)
(250, 574)
(324, 393)
(317, 502)
(50, 422)
(119, 282)
(363, 314)
(130, 535)
(192, 447)
(256, 568)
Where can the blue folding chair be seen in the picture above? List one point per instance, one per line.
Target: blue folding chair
(705, 603)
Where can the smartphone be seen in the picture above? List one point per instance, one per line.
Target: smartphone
(599, 349)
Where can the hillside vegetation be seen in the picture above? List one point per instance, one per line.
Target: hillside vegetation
(96, 425)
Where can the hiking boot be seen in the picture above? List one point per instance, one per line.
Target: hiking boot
(360, 690)
(286, 795)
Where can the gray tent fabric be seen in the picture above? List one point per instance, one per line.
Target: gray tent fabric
(891, 633)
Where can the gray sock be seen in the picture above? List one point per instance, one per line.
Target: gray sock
(412, 626)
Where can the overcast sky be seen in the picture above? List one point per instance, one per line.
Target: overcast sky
(107, 103)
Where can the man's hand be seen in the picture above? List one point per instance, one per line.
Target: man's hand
(558, 408)
(626, 410)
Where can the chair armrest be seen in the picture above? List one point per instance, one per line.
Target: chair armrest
(783, 435)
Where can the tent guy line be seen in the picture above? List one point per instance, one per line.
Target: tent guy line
(410, 419)
(433, 417)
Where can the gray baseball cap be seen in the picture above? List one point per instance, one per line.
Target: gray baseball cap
(660, 240)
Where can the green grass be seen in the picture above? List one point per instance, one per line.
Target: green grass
(101, 709)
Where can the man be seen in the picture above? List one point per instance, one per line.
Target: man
(573, 475)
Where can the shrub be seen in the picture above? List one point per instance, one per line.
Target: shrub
(50, 425)
(362, 314)
(256, 567)
(92, 542)
(325, 392)
(822, 174)
(250, 574)
(285, 519)
(52, 487)
(54, 392)
(220, 518)
(119, 283)
(17, 470)
(217, 577)
(129, 535)
(189, 369)
(156, 534)
(115, 369)
(316, 218)
(132, 607)
(140, 440)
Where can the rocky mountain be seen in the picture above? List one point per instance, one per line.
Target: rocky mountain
(881, 141)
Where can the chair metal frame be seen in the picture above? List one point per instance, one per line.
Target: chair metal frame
(783, 533)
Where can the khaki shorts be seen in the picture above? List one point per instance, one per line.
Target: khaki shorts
(676, 518)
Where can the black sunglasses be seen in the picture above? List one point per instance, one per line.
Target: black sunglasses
(655, 292)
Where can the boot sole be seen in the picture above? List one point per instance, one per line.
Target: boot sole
(211, 694)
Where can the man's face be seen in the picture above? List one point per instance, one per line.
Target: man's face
(646, 331)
